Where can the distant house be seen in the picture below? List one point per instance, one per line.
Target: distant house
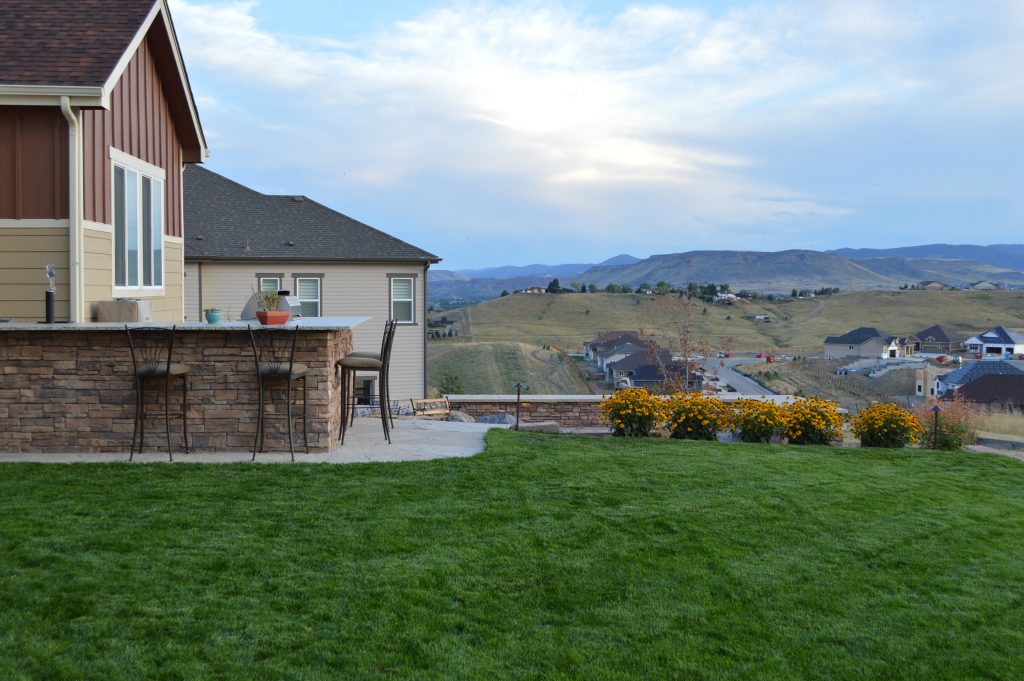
(993, 389)
(983, 286)
(758, 317)
(240, 240)
(997, 342)
(726, 298)
(972, 372)
(865, 342)
(933, 286)
(645, 370)
(608, 339)
(533, 290)
(939, 340)
(610, 355)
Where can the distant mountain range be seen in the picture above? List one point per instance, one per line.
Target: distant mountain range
(848, 269)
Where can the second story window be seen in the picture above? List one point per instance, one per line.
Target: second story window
(138, 229)
(270, 284)
(402, 300)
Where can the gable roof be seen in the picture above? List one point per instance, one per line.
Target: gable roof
(939, 333)
(642, 358)
(985, 367)
(1002, 335)
(1008, 389)
(613, 337)
(627, 348)
(227, 221)
(858, 336)
(78, 49)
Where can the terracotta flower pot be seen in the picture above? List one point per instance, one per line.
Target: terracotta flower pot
(271, 317)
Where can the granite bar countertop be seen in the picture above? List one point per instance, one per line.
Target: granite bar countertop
(305, 323)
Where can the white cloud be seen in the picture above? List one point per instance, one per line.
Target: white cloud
(569, 110)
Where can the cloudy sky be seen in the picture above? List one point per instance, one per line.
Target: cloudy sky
(498, 133)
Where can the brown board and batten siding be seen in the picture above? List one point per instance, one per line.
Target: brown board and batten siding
(139, 123)
(33, 163)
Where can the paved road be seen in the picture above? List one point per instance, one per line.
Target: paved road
(738, 381)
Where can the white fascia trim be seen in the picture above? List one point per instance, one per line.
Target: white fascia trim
(50, 95)
(168, 239)
(34, 224)
(159, 9)
(97, 226)
(134, 163)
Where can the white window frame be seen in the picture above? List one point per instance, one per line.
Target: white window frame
(260, 279)
(143, 170)
(319, 292)
(392, 278)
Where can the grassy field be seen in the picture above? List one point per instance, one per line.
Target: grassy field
(801, 325)
(486, 368)
(545, 557)
(817, 377)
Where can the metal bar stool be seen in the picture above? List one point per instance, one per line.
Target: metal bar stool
(350, 364)
(275, 362)
(152, 349)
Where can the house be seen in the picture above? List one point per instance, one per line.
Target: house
(612, 354)
(939, 340)
(1005, 391)
(534, 290)
(646, 370)
(610, 338)
(865, 342)
(97, 121)
(240, 240)
(983, 286)
(997, 342)
(933, 286)
(972, 372)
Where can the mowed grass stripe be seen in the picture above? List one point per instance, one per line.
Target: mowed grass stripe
(545, 557)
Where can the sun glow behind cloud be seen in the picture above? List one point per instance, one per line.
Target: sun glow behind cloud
(650, 111)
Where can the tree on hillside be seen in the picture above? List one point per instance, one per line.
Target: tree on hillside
(663, 287)
(450, 384)
(611, 288)
(794, 294)
(626, 288)
(504, 293)
(591, 288)
(554, 286)
(576, 286)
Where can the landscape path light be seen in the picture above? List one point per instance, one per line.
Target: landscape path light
(519, 396)
(935, 428)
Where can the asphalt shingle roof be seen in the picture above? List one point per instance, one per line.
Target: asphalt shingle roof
(856, 337)
(994, 388)
(66, 42)
(1002, 335)
(985, 367)
(227, 221)
(942, 334)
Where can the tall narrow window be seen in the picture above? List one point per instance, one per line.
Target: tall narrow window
(402, 300)
(138, 229)
(308, 291)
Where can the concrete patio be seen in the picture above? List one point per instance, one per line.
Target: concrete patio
(412, 439)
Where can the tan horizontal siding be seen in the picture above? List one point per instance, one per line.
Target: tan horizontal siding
(98, 262)
(348, 290)
(24, 254)
(191, 283)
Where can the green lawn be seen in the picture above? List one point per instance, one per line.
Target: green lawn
(545, 557)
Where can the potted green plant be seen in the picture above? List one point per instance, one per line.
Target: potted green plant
(212, 315)
(268, 314)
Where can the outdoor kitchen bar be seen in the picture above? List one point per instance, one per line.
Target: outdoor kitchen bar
(70, 387)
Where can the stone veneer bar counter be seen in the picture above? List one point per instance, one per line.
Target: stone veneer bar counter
(69, 387)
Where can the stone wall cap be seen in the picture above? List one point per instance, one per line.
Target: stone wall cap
(306, 324)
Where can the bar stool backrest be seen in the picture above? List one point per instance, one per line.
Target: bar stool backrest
(151, 349)
(389, 339)
(274, 351)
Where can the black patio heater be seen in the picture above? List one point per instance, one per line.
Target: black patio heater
(51, 292)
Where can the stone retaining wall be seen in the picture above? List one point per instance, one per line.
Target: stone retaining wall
(73, 391)
(569, 411)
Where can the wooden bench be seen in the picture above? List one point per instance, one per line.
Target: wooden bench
(431, 407)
